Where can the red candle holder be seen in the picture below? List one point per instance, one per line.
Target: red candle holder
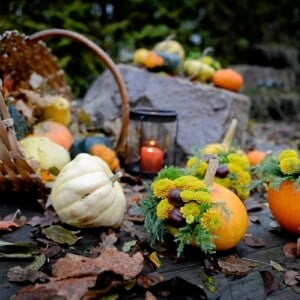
(151, 141)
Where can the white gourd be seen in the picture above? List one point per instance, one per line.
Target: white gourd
(85, 194)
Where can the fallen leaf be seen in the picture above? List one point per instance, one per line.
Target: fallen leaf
(210, 283)
(60, 235)
(290, 250)
(291, 278)
(108, 240)
(50, 218)
(128, 245)
(149, 296)
(236, 266)
(253, 241)
(19, 274)
(17, 250)
(149, 279)
(154, 258)
(268, 281)
(111, 259)
(276, 266)
(129, 227)
(6, 225)
(254, 219)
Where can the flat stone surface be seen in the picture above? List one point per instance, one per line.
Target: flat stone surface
(204, 112)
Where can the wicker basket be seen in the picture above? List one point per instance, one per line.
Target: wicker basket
(20, 57)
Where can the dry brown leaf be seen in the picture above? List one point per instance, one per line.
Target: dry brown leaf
(291, 278)
(71, 289)
(149, 296)
(236, 266)
(111, 259)
(254, 241)
(290, 250)
(7, 225)
(268, 281)
(19, 274)
(149, 279)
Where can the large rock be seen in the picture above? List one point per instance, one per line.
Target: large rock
(204, 112)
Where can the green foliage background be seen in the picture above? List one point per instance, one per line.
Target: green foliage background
(119, 27)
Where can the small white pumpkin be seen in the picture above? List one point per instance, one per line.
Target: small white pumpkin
(85, 194)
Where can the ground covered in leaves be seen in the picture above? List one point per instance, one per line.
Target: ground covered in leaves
(41, 258)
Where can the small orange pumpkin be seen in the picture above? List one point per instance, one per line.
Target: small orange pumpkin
(234, 226)
(284, 205)
(255, 156)
(55, 131)
(107, 154)
(228, 79)
(232, 230)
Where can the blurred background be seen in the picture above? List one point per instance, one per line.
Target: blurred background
(263, 33)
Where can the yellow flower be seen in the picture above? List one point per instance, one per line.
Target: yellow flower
(163, 209)
(198, 165)
(239, 159)
(223, 181)
(289, 165)
(198, 196)
(190, 211)
(242, 192)
(189, 182)
(234, 168)
(211, 220)
(162, 187)
(287, 153)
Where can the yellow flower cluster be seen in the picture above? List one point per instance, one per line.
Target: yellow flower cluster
(289, 162)
(196, 200)
(211, 220)
(238, 178)
(163, 209)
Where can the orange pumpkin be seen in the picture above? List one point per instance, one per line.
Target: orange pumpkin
(107, 154)
(234, 227)
(228, 79)
(255, 156)
(55, 131)
(285, 206)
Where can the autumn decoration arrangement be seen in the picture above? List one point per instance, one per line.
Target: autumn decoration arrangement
(280, 175)
(196, 212)
(170, 58)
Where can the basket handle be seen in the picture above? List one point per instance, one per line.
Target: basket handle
(77, 37)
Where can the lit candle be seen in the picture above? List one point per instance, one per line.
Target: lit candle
(151, 158)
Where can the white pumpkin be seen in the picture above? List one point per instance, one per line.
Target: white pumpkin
(85, 194)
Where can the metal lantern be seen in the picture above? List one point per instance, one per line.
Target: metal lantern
(151, 141)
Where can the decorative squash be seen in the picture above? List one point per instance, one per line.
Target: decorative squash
(55, 131)
(228, 79)
(139, 56)
(170, 46)
(85, 144)
(58, 110)
(98, 145)
(255, 156)
(107, 154)
(85, 194)
(197, 70)
(162, 62)
(285, 206)
(42, 151)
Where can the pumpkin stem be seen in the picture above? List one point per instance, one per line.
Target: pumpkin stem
(115, 177)
(211, 172)
(230, 134)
